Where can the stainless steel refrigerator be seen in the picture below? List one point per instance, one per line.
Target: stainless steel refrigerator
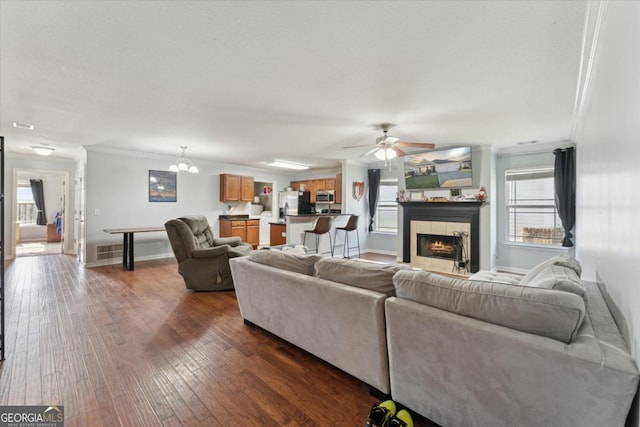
(295, 203)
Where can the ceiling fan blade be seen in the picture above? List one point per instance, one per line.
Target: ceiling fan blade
(398, 151)
(415, 144)
(356, 146)
(373, 150)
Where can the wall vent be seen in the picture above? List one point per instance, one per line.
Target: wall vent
(108, 252)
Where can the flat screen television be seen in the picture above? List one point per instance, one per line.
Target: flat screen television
(442, 168)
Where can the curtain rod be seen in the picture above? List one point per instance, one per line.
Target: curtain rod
(531, 153)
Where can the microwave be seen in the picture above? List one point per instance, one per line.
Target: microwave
(325, 196)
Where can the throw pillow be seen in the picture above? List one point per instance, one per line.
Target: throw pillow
(286, 260)
(559, 278)
(562, 260)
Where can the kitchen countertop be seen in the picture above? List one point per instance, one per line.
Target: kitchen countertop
(316, 215)
(237, 217)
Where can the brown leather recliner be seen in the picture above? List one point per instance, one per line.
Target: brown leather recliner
(203, 261)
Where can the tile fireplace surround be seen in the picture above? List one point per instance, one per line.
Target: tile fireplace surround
(418, 217)
(438, 231)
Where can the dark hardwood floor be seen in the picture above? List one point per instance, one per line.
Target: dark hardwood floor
(137, 349)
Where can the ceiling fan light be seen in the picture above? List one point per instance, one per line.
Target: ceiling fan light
(386, 154)
(392, 139)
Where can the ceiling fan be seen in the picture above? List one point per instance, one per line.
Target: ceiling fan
(388, 147)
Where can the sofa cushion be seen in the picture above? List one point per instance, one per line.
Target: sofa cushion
(546, 312)
(561, 260)
(559, 278)
(494, 276)
(362, 274)
(286, 260)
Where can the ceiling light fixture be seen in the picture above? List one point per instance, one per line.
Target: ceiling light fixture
(288, 165)
(386, 154)
(183, 164)
(42, 150)
(23, 126)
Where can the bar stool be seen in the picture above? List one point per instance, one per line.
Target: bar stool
(323, 225)
(352, 225)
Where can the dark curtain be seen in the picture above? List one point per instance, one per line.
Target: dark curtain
(564, 174)
(38, 198)
(374, 185)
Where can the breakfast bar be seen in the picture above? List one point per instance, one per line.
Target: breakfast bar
(297, 224)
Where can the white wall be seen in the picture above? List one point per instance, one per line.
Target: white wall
(42, 164)
(354, 171)
(608, 140)
(117, 186)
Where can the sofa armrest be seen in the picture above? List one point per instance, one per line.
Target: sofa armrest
(210, 252)
(460, 358)
(242, 249)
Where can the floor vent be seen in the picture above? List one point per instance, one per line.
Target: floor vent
(109, 252)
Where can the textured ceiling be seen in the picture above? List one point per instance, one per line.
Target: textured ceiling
(245, 82)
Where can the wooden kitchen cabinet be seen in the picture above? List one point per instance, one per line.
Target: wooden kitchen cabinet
(278, 234)
(253, 232)
(236, 188)
(233, 228)
(230, 188)
(338, 188)
(312, 188)
(330, 184)
(246, 188)
(247, 230)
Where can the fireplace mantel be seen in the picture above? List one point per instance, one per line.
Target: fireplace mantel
(464, 211)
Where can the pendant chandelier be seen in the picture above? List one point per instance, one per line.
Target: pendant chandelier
(183, 164)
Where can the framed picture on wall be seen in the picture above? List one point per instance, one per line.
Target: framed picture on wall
(163, 186)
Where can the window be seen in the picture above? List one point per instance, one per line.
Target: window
(531, 212)
(26, 207)
(386, 218)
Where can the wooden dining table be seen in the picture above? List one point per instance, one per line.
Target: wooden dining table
(127, 241)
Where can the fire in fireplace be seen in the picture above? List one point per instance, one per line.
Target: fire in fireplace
(437, 246)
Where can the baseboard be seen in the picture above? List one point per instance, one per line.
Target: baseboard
(114, 261)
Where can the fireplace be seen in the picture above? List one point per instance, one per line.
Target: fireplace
(440, 246)
(437, 246)
(441, 236)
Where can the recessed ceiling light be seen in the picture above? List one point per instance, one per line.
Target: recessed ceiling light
(42, 150)
(23, 126)
(288, 165)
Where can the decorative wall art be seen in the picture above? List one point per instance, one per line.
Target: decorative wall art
(162, 186)
(358, 190)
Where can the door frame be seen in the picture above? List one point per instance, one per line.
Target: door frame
(65, 205)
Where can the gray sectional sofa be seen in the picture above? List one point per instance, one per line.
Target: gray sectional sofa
(496, 350)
